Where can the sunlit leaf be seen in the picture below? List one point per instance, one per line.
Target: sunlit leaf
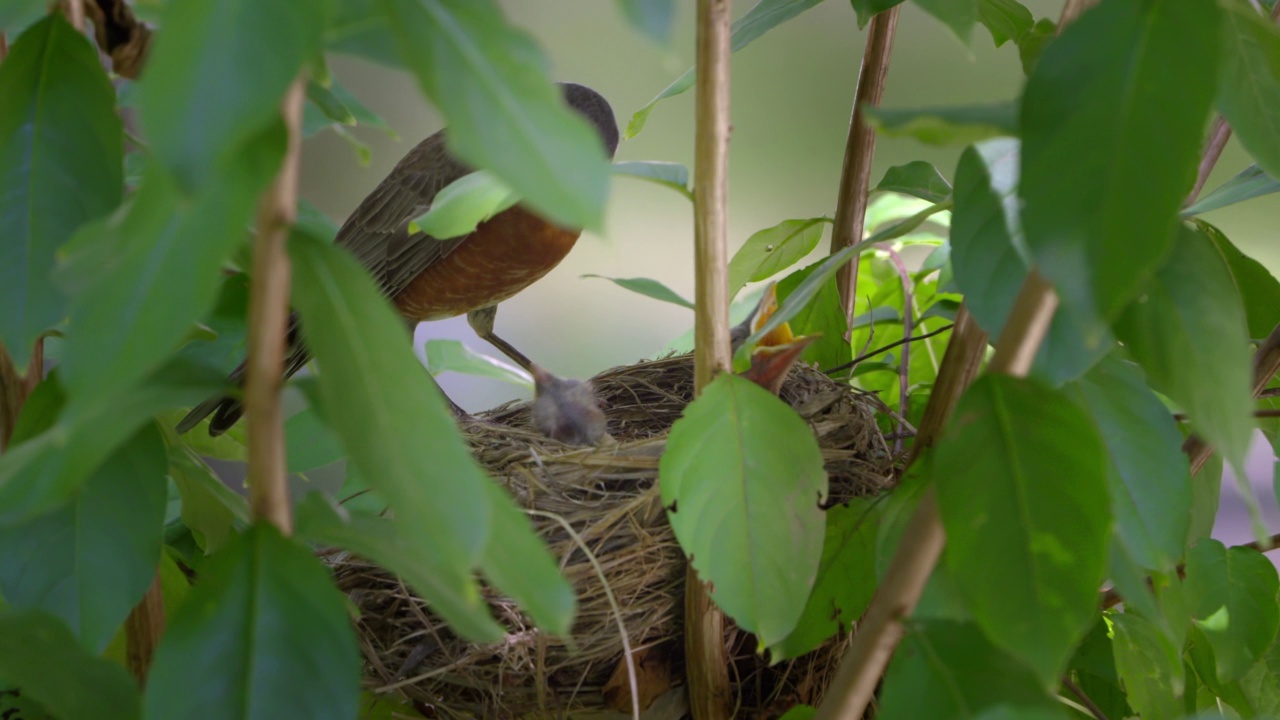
(1258, 288)
(216, 76)
(490, 81)
(742, 479)
(649, 288)
(60, 165)
(41, 658)
(1149, 665)
(463, 204)
(89, 561)
(1252, 182)
(672, 175)
(845, 582)
(917, 178)
(393, 419)
(959, 125)
(1232, 597)
(1249, 86)
(1027, 516)
(947, 669)
(772, 250)
(1006, 19)
(760, 19)
(654, 18)
(1151, 482)
(1100, 189)
(263, 599)
(452, 356)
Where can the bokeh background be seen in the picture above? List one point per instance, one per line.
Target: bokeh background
(791, 100)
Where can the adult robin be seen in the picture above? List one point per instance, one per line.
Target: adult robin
(430, 279)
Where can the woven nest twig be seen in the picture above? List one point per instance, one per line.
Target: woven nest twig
(610, 498)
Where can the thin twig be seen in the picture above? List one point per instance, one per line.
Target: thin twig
(1219, 134)
(706, 666)
(855, 175)
(887, 348)
(1269, 413)
(1084, 699)
(142, 631)
(268, 316)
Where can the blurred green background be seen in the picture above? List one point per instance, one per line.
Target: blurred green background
(791, 100)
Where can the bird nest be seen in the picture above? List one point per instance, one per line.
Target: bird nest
(609, 496)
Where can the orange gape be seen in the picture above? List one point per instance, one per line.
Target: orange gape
(503, 256)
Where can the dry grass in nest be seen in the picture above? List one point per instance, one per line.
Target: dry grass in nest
(609, 496)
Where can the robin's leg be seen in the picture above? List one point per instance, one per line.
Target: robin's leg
(482, 322)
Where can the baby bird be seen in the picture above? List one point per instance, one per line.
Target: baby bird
(567, 410)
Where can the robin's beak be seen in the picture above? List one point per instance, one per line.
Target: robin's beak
(778, 351)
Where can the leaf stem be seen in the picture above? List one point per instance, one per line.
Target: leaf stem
(886, 348)
(706, 665)
(268, 317)
(859, 151)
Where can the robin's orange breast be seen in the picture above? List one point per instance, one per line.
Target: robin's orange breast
(502, 257)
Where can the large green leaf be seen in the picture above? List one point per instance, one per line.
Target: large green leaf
(163, 259)
(958, 15)
(215, 78)
(772, 250)
(1112, 121)
(917, 178)
(378, 539)
(988, 254)
(42, 659)
(651, 17)
(742, 479)
(490, 80)
(463, 204)
(392, 419)
(60, 165)
(760, 19)
(846, 579)
(1150, 666)
(89, 561)
(1250, 183)
(1188, 332)
(958, 125)
(1258, 288)
(1151, 482)
(1027, 516)
(946, 669)
(264, 634)
(1232, 596)
(1249, 85)
(1261, 685)
(1006, 19)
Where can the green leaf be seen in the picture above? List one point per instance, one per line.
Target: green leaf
(1070, 348)
(462, 205)
(41, 658)
(263, 622)
(760, 19)
(800, 712)
(1232, 596)
(210, 509)
(490, 81)
(393, 419)
(960, 125)
(742, 479)
(672, 175)
(216, 77)
(1257, 286)
(866, 9)
(330, 104)
(987, 250)
(1151, 482)
(452, 356)
(649, 288)
(163, 274)
(1101, 190)
(229, 322)
(917, 178)
(959, 16)
(772, 250)
(363, 115)
(824, 317)
(1188, 332)
(1094, 669)
(654, 18)
(60, 165)
(359, 28)
(18, 14)
(1252, 182)
(1006, 19)
(1261, 685)
(845, 582)
(1249, 84)
(1032, 46)
(310, 442)
(1206, 493)
(1027, 517)
(516, 560)
(947, 669)
(1148, 664)
(89, 561)
(379, 540)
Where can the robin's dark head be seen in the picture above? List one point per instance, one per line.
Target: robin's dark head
(596, 109)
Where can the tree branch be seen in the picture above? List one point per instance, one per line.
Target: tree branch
(142, 631)
(855, 176)
(706, 665)
(268, 317)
